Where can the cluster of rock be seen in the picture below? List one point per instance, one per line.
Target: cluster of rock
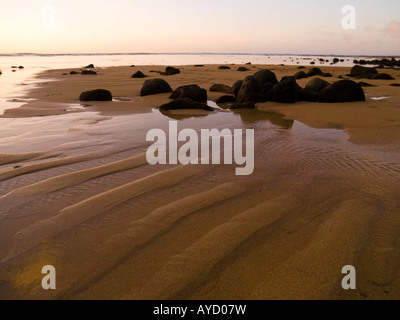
(313, 72)
(263, 86)
(381, 63)
(360, 72)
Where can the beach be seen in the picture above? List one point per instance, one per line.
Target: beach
(77, 192)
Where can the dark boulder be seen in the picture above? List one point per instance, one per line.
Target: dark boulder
(265, 76)
(300, 75)
(286, 91)
(224, 68)
(90, 66)
(226, 99)
(193, 92)
(382, 76)
(96, 95)
(395, 85)
(245, 105)
(21, 67)
(198, 66)
(314, 72)
(90, 72)
(236, 87)
(301, 67)
(363, 72)
(221, 88)
(313, 89)
(327, 75)
(170, 71)
(185, 103)
(267, 88)
(250, 91)
(342, 91)
(74, 72)
(155, 86)
(138, 75)
(242, 69)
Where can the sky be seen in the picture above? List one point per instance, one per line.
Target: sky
(193, 26)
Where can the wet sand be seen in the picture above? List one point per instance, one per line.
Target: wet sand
(76, 192)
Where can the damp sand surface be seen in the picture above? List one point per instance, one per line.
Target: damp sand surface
(76, 192)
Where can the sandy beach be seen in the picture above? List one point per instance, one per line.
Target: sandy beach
(77, 192)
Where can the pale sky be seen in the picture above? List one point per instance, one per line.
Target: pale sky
(216, 26)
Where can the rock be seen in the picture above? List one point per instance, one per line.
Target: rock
(64, 74)
(363, 72)
(336, 60)
(313, 89)
(193, 92)
(267, 88)
(132, 66)
(248, 63)
(264, 76)
(250, 91)
(342, 91)
(1, 73)
(364, 84)
(221, 88)
(226, 99)
(74, 72)
(170, 71)
(382, 76)
(96, 95)
(301, 67)
(236, 87)
(246, 105)
(88, 72)
(185, 103)
(312, 62)
(198, 66)
(21, 67)
(14, 67)
(286, 91)
(138, 75)
(90, 66)
(224, 68)
(155, 86)
(327, 75)
(242, 69)
(314, 72)
(300, 75)
(395, 84)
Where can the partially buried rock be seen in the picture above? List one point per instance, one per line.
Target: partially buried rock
(74, 72)
(363, 72)
(193, 92)
(314, 72)
(300, 75)
(342, 91)
(382, 76)
(221, 88)
(242, 69)
(90, 66)
(226, 99)
(90, 72)
(365, 84)
(224, 68)
(313, 89)
(185, 103)
(250, 91)
(170, 71)
(21, 67)
(236, 87)
(96, 95)
(138, 75)
(395, 85)
(286, 91)
(245, 105)
(155, 86)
